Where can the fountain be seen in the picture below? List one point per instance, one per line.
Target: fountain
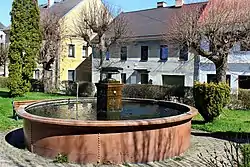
(107, 129)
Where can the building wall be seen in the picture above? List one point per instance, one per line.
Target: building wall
(68, 26)
(238, 65)
(71, 63)
(2, 37)
(154, 65)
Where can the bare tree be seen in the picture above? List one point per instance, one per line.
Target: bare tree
(220, 24)
(52, 34)
(103, 22)
(4, 48)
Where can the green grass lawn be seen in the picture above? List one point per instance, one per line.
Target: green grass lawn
(229, 121)
(6, 120)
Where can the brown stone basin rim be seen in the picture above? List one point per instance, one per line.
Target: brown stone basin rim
(116, 142)
(20, 107)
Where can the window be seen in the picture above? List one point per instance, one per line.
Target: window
(144, 78)
(212, 78)
(71, 75)
(124, 78)
(37, 74)
(164, 52)
(84, 51)
(183, 53)
(1, 36)
(144, 53)
(244, 82)
(205, 45)
(124, 53)
(71, 50)
(173, 80)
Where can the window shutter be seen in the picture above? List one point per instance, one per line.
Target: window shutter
(107, 55)
(164, 52)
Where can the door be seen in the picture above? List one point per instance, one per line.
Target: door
(173, 80)
(144, 78)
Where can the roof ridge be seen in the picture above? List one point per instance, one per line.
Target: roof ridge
(168, 7)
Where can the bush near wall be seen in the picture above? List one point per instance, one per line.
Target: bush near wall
(86, 89)
(210, 99)
(158, 92)
(240, 100)
(36, 85)
(3, 82)
(244, 97)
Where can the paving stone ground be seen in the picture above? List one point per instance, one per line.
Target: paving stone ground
(13, 157)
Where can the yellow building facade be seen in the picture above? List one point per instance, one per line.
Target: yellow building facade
(74, 50)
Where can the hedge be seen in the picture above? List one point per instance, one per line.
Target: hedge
(3, 82)
(158, 92)
(244, 97)
(36, 85)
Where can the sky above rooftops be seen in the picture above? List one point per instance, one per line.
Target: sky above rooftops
(125, 5)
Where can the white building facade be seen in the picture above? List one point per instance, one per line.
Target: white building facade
(238, 71)
(150, 60)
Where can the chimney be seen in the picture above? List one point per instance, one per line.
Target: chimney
(161, 4)
(50, 3)
(179, 3)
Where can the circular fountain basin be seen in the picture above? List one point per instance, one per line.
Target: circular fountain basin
(120, 139)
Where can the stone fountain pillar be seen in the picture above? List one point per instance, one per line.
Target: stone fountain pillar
(109, 96)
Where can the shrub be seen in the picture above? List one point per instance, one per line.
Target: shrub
(235, 103)
(36, 85)
(3, 82)
(61, 158)
(244, 97)
(152, 91)
(210, 99)
(86, 89)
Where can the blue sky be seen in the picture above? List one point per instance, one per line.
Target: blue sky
(125, 5)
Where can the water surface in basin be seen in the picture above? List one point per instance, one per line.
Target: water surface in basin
(87, 111)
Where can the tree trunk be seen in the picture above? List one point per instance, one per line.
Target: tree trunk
(101, 48)
(221, 69)
(4, 69)
(47, 81)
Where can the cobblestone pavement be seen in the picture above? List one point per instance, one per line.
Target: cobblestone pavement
(13, 157)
